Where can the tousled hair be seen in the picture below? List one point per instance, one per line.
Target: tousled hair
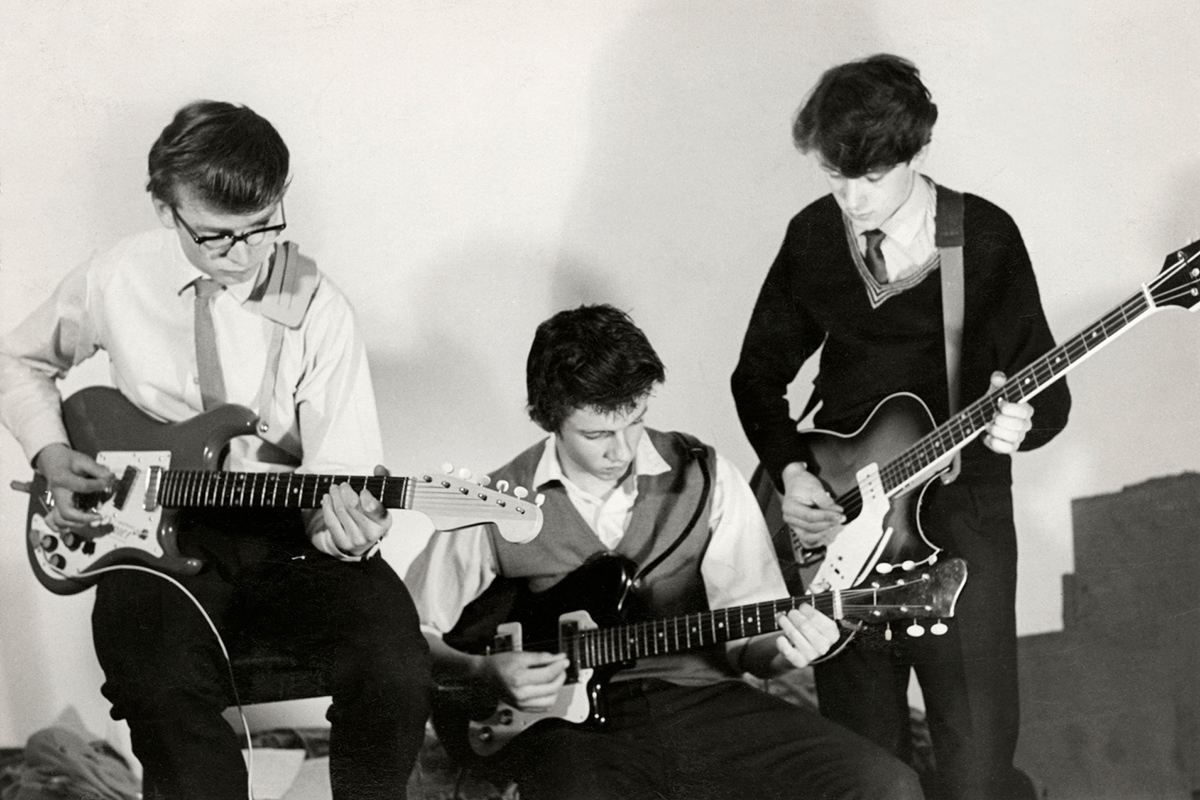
(866, 115)
(591, 357)
(228, 157)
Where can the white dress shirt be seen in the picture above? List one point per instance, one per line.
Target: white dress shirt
(739, 565)
(909, 246)
(135, 301)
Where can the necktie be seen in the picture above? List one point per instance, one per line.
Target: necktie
(874, 254)
(212, 383)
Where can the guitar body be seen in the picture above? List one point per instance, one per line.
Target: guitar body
(104, 425)
(873, 471)
(880, 530)
(472, 726)
(163, 468)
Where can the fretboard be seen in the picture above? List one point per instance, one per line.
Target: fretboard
(196, 489)
(968, 423)
(599, 646)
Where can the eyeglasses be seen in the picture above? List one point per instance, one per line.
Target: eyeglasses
(224, 242)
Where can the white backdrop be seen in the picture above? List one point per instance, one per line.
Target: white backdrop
(465, 169)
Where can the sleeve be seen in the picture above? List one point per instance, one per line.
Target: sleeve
(739, 566)
(335, 404)
(59, 334)
(1020, 334)
(454, 568)
(781, 336)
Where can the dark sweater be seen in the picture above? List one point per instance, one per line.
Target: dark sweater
(814, 294)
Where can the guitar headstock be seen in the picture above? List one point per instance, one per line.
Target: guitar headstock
(451, 503)
(927, 593)
(1178, 284)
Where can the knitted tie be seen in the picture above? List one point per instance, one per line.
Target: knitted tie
(874, 254)
(212, 384)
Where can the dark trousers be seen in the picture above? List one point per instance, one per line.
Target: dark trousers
(968, 676)
(165, 672)
(727, 740)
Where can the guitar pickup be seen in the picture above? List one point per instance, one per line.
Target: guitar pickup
(121, 489)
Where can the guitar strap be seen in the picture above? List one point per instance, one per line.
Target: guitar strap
(948, 235)
(288, 294)
(700, 453)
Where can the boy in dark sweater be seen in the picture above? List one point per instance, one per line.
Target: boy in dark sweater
(858, 275)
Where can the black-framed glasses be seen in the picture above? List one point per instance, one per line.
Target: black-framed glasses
(224, 242)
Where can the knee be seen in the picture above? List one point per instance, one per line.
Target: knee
(891, 779)
(394, 684)
(136, 700)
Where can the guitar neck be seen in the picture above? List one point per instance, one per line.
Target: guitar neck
(597, 647)
(964, 426)
(197, 489)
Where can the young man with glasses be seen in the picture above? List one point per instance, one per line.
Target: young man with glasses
(212, 308)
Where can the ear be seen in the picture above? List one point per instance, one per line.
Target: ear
(919, 159)
(165, 215)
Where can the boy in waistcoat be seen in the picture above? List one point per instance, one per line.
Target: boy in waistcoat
(682, 725)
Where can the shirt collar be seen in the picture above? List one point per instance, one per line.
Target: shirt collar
(647, 461)
(914, 214)
(186, 273)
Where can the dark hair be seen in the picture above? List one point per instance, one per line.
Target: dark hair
(866, 115)
(231, 158)
(589, 357)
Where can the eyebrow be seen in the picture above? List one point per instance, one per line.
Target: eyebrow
(640, 418)
(258, 223)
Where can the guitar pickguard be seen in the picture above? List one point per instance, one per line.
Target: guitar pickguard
(858, 545)
(129, 520)
(573, 703)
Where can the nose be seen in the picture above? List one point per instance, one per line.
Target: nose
(238, 253)
(854, 195)
(620, 451)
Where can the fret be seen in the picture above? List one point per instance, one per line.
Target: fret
(1025, 384)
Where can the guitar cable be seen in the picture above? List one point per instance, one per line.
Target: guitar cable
(224, 652)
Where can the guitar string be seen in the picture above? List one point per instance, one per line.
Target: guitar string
(937, 443)
(599, 646)
(214, 488)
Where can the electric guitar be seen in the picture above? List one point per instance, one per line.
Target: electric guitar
(599, 598)
(164, 468)
(873, 471)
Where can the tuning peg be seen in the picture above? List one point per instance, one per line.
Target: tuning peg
(464, 473)
(908, 565)
(915, 630)
(887, 632)
(539, 500)
(938, 628)
(883, 569)
(502, 486)
(447, 468)
(520, 492)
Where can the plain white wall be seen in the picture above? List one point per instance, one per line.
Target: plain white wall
(465, 169)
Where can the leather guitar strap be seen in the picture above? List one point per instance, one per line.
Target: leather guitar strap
(288, 293)
(697, 451)
(948, 235)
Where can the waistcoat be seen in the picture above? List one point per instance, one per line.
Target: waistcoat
(664, 505)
